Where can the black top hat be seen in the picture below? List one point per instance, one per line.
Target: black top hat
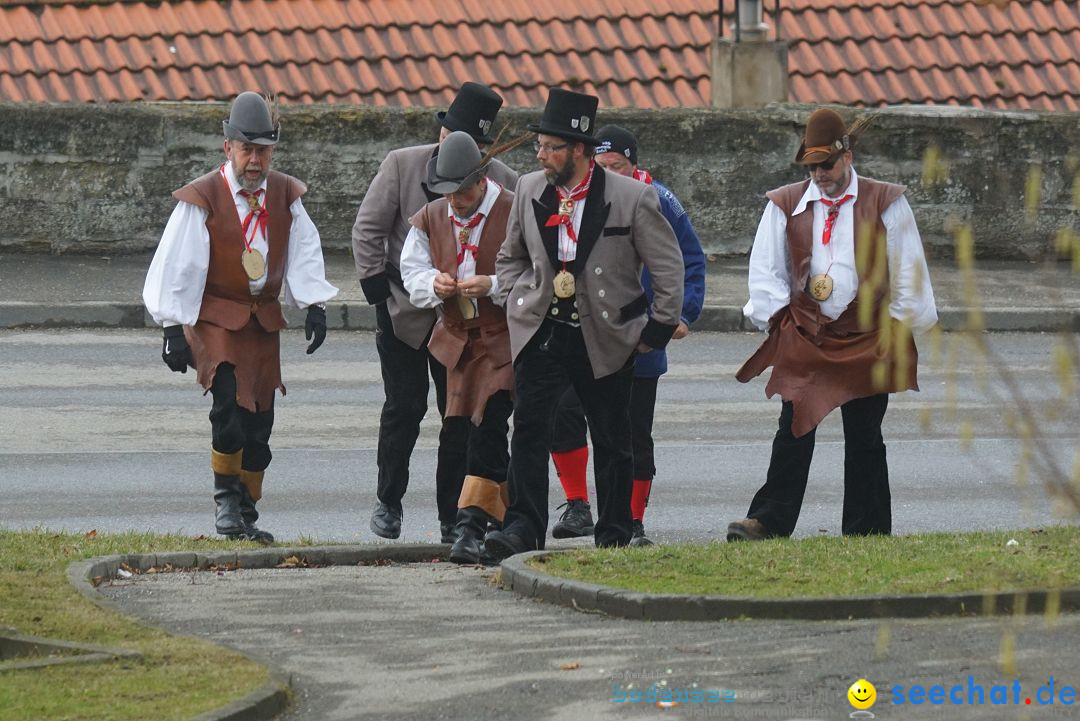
(568, 115)
(473, 111)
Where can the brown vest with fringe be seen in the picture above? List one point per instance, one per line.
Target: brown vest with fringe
(475, 351)
(820, 363)
(234, 326)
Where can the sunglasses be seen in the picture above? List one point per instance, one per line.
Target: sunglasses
(827, 165)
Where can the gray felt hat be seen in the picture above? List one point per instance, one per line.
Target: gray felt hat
(251, 121)
(457, 165)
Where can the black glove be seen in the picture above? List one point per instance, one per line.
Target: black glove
(175, 350)
(315, 325)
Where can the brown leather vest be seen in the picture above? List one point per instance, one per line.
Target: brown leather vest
(227, 300)
(820, 363)
(434, 221)
(870, 254)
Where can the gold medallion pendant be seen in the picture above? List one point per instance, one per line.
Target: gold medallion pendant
(463, 235)
(564, 284)
(820, 287)
(465, 305)
(253, 202)
(254, 263)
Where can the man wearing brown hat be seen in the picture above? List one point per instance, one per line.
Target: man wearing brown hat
(397, 192)
(569, 276)
(839, 280)
(448, 263)
(238, 236)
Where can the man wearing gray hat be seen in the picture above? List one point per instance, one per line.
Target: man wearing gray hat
(397, 192)
(448, 263)
(238, 236)
(569, 277)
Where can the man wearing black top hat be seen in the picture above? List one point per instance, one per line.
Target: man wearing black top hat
(382, 223)
(569, 276)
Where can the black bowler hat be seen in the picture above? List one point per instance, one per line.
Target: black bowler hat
(568, 115)
(473, 111)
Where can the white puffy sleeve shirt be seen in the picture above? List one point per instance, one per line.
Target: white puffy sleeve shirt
(177, 277)
(912, 294)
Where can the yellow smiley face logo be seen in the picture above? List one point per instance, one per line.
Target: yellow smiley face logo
(862, 694)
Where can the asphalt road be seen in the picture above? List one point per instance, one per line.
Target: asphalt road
(98, 434)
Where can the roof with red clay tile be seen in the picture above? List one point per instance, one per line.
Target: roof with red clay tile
(643, 53)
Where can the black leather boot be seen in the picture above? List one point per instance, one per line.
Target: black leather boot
(471, 525)
(250, 515)
(228, 518)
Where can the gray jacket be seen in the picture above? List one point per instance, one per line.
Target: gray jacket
(621, 228)
(382, 223)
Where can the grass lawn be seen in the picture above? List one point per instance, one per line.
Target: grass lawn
(828, 566)
(177, 678)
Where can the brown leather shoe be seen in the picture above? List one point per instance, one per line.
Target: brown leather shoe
(748, 529)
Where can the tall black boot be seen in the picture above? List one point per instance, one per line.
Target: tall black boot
(471, 525)
(250, 493)
(228, 518)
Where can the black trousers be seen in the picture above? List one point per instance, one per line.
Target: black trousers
(488, 449)
(554, 360)
(867, 503)
(235, 428)
(569, 426)
(405, 380)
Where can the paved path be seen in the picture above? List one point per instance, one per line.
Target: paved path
(434, 641)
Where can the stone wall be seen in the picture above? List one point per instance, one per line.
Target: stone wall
(97, 178)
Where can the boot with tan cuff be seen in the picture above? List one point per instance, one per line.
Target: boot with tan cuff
(228, 519)
(250, 492)
(482, 501)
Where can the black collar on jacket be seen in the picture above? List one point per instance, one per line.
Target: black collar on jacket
(592, 221)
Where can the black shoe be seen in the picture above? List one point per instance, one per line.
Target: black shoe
(386, 521)
(469, 530)
(250, 515)
(637, 537)
(468, 548)
(449, 532)
(575, 522)
(501, 544)
(228, 517)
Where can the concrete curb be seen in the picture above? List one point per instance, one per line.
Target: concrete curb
(360, 316)
(516, 575)
(272, 698)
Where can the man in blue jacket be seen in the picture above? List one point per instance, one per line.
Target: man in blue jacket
(617, 152)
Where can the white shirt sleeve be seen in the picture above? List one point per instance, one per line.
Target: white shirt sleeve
(912, 294)
(177, 277)
(417, 271)
(305, 273)
(768, 279)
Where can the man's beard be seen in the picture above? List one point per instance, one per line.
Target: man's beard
(562, 175)
(251, 185)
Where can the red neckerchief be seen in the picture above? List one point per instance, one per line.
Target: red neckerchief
(830, 217)
(575, 195)
(258, 216)
(463, 235)
(642, 175)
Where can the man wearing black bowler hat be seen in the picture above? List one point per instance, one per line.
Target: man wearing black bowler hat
(382, 223)
(569, 276)
(238, 237)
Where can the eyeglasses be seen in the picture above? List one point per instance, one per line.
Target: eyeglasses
(826, 166)
(547, 148)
